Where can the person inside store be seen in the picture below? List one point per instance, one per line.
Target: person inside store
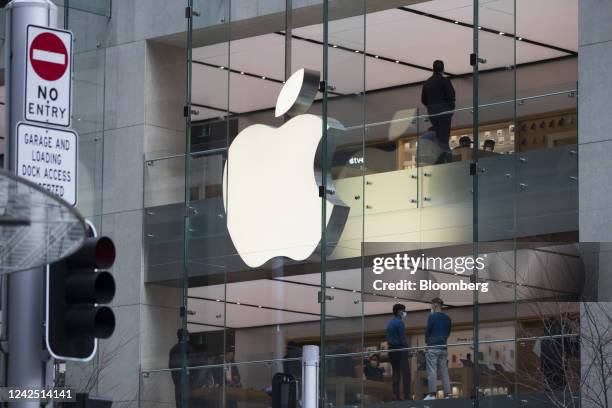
(181, 349)
(227, 373)
(372, 370)
(230, 371)
(398, 356)
(438, 96)
(436, 337)
(293, 367)
(202, 376)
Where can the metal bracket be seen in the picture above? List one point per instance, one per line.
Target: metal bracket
(322, 86)
(189, 211)
(190, 12)
(327, 297)
(186, 111)
(328, 191)
(475, 59)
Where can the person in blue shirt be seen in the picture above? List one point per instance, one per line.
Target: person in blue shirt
(398, 356)
(436, 336)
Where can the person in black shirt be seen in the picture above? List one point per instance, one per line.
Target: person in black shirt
(293, 367)
(180, 353)
(372, 371)
(438, 95)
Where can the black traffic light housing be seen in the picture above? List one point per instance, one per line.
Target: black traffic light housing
(76, 287)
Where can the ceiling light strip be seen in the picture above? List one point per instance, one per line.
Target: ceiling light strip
(349, 290)
(367, 54)
(258, 306)
(249, 74)
(488, 30)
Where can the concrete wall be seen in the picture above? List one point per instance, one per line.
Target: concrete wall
(129, 99)
(595, 167)
(145, 93)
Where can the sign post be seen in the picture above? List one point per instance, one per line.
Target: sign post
(26, 295)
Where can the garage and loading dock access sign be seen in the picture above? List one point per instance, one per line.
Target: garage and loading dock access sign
(48, 155)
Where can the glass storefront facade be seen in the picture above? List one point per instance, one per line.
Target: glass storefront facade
(256, 226)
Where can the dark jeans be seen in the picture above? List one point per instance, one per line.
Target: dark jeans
(442, 127)
(401, 369)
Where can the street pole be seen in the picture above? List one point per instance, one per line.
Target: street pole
(26, 294)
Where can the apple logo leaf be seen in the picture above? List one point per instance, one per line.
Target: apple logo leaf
(298, 93)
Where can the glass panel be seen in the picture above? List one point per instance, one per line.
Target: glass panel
(254, 211)
(344, 151)
(215, 384)
(88, 105)
(495, 116)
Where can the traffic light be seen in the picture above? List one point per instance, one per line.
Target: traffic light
(76, 287)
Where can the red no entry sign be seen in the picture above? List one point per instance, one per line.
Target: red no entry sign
(48, 56)
(48, 76)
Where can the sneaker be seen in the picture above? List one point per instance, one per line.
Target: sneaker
(429, 397)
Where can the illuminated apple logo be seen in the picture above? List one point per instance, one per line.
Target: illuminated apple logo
(271, 182)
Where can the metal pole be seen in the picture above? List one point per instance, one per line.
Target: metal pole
(324, 106)
(475, 237)
(26, 295)
(310, 376)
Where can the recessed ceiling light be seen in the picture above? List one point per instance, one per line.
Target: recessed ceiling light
(520, 38)
(479, 27)
(357, 51)
(259, 306)
(263, 77)
(241, 72)
(237, 303)
(396, 61)
(333, 287)
(335, 46)
(456, 22)
(217, 300)
(376, 56)
(502, 33)
(221, 67)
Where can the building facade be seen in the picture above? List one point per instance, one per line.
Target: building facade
(249, 211)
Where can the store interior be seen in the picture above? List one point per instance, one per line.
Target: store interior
(377, 64)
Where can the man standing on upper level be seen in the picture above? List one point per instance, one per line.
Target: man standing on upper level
(438, 95)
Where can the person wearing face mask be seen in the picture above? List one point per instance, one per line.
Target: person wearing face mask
(396, 337)
(436, 336)
(372, 371)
